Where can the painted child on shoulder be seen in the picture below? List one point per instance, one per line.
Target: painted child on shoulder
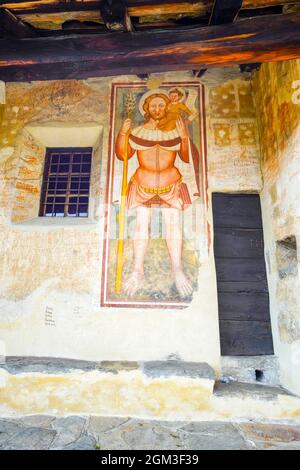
(175, 109)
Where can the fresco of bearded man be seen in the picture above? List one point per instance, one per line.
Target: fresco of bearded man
(157, 182)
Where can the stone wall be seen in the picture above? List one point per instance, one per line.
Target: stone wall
(51, 269)
(276, 92)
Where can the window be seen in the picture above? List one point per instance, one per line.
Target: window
(66, 182)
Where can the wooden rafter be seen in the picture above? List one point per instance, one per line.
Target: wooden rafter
(225, 11)
(52, 15)
(136, 7)
(115, 15)
(10, 25)
(247, 41)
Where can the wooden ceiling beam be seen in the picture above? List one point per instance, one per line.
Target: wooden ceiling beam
(136, 7)
(225, 11)
(199, 73)
(266, 3)
(51, 14)
(12, 26)
(261, 39)
(115, 15)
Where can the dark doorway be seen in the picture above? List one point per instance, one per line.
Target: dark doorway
(243, 298)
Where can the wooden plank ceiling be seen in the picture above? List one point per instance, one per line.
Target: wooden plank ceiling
(91, 15)
(168, 34)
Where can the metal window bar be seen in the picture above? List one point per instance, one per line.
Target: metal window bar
(66, 182)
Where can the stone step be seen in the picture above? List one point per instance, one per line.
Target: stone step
(170, 390)
(245, 390)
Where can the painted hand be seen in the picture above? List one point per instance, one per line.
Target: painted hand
(126, 126)
(182, 129)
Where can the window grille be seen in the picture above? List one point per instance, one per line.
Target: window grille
(66, 182)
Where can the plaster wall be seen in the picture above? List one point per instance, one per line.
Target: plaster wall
(51, 269)
(276, 91)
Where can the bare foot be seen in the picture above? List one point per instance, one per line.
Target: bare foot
(184, 286)
(133, 283)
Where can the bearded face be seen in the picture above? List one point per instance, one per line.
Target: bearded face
(157, 108)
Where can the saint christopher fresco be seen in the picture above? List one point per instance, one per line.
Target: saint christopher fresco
(158, 144)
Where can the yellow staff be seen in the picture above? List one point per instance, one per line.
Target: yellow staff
(130, 104)
(1, 112)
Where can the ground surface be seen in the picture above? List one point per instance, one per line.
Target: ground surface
(75, 432)
(158, 284)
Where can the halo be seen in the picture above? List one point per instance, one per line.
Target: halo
(181, 91)
(149, 93)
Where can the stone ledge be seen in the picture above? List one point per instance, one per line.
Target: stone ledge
(53, 365)
(171, 390)
(64, 386)
(244, 390)
(165, 369)
(151, 369)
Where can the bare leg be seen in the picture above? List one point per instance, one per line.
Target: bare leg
(174, 243)
(140, 243)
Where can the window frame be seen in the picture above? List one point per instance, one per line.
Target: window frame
(67, 194)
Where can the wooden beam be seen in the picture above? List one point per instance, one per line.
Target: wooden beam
(261, 39)
(225, 11)
(199, 73)
(136, 7)
(51, 14)
(272, 10)
(168, 7)
(52, 19)
(13, 26)
(115, 15)
(266, 3)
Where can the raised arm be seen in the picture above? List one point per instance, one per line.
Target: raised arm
(185, 109)
(122, 140)
(185, 140)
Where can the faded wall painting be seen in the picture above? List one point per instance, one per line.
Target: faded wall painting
(155, 234)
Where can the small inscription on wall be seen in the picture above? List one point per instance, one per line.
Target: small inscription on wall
(50, 317)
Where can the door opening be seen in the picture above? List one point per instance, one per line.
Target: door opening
(243, 298)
